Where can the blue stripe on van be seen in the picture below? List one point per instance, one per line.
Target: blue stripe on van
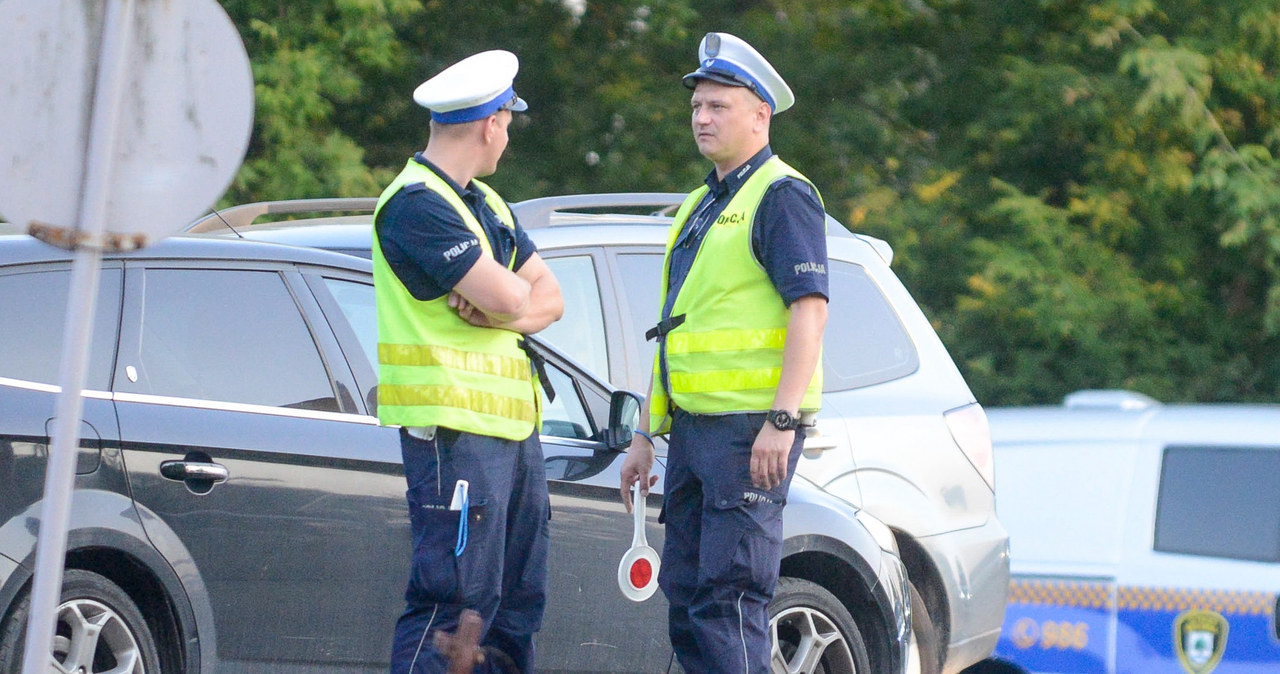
(1069, 627)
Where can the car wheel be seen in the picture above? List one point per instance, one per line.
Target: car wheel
(993, 667)
(813, 632)
(923, 658)
(99, 630)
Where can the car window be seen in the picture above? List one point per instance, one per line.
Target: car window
(580, 332)
(864, 342)
(566, 417)
(359, 304)
(231, 336)
(641, 281)
(34, 306)
(1220, 502)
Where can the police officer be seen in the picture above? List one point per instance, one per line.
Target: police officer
(738, 364)
(458, 284)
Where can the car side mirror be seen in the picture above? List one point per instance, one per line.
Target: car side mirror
(624, 416)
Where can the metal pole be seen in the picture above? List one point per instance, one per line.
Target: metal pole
(59, 482)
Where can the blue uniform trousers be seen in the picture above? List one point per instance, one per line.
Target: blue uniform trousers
(723, 544)
(497, 566)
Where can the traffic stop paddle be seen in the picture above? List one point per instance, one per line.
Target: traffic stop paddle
(638, 570)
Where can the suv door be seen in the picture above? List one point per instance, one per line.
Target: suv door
(256, 471)
(33, 304)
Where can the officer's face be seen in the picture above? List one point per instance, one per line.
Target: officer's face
(728, 122)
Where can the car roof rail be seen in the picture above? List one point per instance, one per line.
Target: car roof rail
(1112, 399)
(244, 214)
(537, 212)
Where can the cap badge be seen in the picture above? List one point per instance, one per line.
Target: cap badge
(713, 44)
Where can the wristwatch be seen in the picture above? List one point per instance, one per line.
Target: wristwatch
(783, 420)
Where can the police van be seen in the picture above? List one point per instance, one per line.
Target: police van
(1144, 537)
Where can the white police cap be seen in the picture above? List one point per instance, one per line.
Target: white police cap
(728, 59)
(473, 88)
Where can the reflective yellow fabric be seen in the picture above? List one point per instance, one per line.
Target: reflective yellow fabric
(434, 368)
(727, 380)
(727, 355)
(726, 340)
(400, 395)
(430, 355)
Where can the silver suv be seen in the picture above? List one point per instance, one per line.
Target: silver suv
(900, 434)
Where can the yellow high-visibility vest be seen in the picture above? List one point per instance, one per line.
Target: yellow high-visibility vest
(727, 354)
(436, 369)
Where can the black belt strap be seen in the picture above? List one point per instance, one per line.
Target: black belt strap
(540, 365)
(663, 327)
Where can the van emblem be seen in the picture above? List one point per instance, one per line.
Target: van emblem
(1200, 637)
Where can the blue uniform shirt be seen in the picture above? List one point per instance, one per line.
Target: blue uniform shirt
(430, 248)
(788, 237)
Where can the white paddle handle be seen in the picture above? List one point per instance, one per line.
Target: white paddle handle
(637, 507)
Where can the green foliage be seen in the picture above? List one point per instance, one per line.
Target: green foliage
(1080, 193)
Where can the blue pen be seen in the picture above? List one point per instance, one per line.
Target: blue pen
(461, 502)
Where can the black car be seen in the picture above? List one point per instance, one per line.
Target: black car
(238, 507)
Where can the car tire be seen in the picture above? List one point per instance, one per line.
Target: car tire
(993, 667)
(924, 657)
(122, 635)
(813, 632)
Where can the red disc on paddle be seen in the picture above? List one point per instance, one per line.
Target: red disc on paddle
(641, 573)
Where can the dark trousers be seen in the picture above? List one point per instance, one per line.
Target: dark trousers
(723, 544)
(498, 567)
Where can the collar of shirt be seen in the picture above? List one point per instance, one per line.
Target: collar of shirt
(735, 178)
(470, 194)
(718, 196)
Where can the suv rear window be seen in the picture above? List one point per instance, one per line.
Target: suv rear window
(1220, 502)
(864, 343)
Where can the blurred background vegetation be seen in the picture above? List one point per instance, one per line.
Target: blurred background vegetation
(1080, 194)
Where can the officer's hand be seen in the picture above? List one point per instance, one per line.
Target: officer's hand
(468, 311)
(769, 456)
(636, 467)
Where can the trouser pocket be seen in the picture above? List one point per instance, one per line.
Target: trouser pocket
(441, 570)
(742, 546)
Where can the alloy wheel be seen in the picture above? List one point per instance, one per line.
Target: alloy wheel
(807, 641)
(93, 639)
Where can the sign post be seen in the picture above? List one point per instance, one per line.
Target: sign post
(156, 99)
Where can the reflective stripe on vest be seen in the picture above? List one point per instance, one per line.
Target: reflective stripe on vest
(436, 369)
(727, 354)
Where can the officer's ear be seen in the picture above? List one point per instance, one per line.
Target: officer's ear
(491, 126)
(764, 114)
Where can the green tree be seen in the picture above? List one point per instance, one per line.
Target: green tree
(1081, 193)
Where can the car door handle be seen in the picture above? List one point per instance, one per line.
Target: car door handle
(201, 472)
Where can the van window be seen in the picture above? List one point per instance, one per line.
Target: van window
(1220, 502)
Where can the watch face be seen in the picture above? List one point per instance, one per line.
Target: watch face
(782, 420)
